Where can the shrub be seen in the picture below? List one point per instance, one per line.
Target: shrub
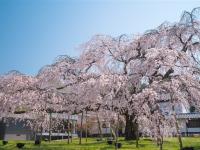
(20, 145)
(110, 142)
(5, 142)
(118, 145)
(188, 148)
(37, 142)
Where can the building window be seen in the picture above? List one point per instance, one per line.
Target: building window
(194, 123)
(104, 125)
(192, 109)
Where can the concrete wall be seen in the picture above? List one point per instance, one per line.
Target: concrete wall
(15, 136)
(17, 131)
(185, 130)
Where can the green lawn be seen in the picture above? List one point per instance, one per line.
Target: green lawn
(92, 144)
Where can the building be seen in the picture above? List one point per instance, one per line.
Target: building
(188, 117)
(14, 129)
(101, 124)
(190, 123)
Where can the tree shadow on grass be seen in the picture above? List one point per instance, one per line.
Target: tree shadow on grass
(147, 140)
(196, 147)
(107, 147)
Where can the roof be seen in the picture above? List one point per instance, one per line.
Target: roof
(188, 115)
(29, 116)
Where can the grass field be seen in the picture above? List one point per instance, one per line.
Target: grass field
(92, 144)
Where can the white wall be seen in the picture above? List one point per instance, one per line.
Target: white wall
(179, 108)
(15, 137)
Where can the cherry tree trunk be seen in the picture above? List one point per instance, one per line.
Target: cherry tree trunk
(179, 135)
(137, 137)
(68, 129)
(130, 128)
(86, 128)
(161, 143)
(50, 124)
(99, 126)
(41, 130)
(81, 129)
(117, 133)
(177, 128)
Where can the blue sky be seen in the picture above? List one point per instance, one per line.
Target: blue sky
(34, 32)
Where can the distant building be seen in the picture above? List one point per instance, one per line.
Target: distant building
(104, 125)
(188, 117)
(190, 123)
(16, 130)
